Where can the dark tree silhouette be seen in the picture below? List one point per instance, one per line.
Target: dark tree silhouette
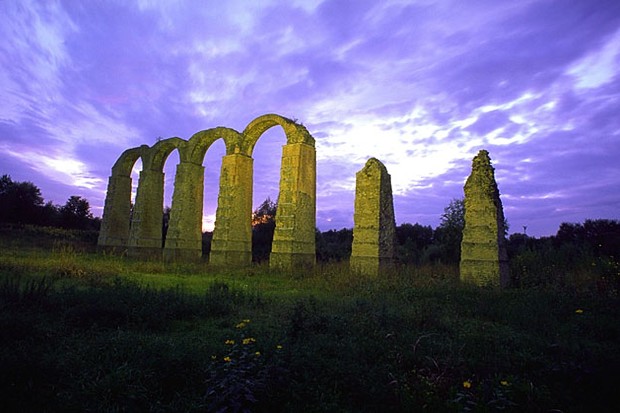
(20, 202)
(75, 214)
(449, 233)
(164, 225)
(412, 242)
(334, 245)
(263, 226)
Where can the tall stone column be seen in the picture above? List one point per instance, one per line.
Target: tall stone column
(294, 237)
(374, 229)
(232, 236)
(145, 235)
(114, 232)
(484, 260)
(184, 237)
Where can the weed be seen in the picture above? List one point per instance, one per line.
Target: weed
(127, 335)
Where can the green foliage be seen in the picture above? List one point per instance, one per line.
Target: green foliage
(22, 203)
(87, 332)
(240, 376)
(334, 246)
(580, 256)
(75, 214)
(449, 234)
(413, 243)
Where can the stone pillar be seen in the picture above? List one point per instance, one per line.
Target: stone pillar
(374, 229)
(484, 260)
(146, 224)
(232, 236)
(294, 237)
(114, 232)
(184, 237)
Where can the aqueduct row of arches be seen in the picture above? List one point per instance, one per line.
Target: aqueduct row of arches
(140, 232)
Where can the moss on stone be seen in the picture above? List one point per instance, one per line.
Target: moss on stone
(294, 239)
(374, 225)
(483, 250)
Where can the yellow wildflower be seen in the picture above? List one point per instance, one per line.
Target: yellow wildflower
(246, 320)
(240, 325)
(227, 359)
(579, 311)
(257, 353)
(279, 347)
(229, 342)
(504, 383)
(248, 340)
(467, 384)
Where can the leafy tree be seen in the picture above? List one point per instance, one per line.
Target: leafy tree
(412, 241)
(334, 245)
(265, 213)
(600, 236)
(450, 231)
(263, 227)
(75, 214)
(20, 202)
(49, 215)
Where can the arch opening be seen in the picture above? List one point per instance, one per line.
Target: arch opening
(147, 223)
(265, 189)
(118, 208)
(293, 239)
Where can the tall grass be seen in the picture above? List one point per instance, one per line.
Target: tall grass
(88, 332)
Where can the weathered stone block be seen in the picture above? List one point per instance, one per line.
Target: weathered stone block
(232, 236)
(293, 244)
(184, 238)
(294, 239)
(145, 235)
(114, 232)
(483, 250)
(374, 224)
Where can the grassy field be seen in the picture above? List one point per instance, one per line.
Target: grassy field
(81, 331)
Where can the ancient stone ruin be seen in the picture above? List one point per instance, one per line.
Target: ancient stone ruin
(139, 232)
(374, 229)
(484, 260)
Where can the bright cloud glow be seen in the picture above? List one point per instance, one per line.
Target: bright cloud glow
(598, 67)
(64, 170)
(208, 222)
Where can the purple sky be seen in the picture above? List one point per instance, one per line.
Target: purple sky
(421, 85)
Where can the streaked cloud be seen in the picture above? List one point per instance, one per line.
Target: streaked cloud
(421, 85)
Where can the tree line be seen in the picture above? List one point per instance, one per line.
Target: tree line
(589, 251)
(415, 244)
(591, 247)
(22, 203)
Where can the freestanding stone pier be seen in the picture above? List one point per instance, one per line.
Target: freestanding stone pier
(145, 234)
(139, 233)
(114, 231)
(484, 260)
(374, 228)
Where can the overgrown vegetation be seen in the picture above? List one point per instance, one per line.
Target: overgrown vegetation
(22, 203)
(81, 331)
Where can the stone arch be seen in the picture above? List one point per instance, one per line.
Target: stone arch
(145, 234)
(294, 236)
(115, 223)
(295, 132)
(184, 238)
(200, 142)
